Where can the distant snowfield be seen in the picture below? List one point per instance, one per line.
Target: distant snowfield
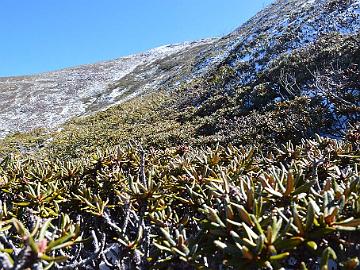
(49, 99)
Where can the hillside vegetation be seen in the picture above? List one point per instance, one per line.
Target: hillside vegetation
(234, 153)
(297, 206)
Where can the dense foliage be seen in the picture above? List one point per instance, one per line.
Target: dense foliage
(296, 206)
(314, 89)
(207, 181)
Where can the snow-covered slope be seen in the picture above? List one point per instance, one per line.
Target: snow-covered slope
(49, 99)
(292, 49)
(280, 29)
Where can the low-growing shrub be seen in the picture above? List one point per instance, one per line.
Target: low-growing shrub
(296, 206)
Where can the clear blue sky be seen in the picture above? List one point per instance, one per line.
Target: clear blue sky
(42, 35)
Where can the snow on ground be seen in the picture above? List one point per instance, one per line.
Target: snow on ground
(280, 29)
(50, 99)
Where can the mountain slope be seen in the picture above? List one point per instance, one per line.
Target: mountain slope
(290, 72)
(195, 156)
(280, 29)
(49, 99)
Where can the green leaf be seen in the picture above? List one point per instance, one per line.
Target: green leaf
(289, 184)
(20, 227)
(312, 245)
(22, 203)
(44, 229)
(227, 248)
(310, 217)
(327, 254)
(5, 228)
(161, 247)
(6, 250)
(281, 256)
(55, 243)
(305, 188)
(257, 224)
(53, 259)
(303, 266)
(220, 244)
(213, 216)
(288, 244)
(32, 244)
(245, 216)
(260, 244)
(167, 236)
(250, 233)
(179, 252)
(297, 221)
(321, 232)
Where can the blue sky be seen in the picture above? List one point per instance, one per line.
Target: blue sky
(42, 35)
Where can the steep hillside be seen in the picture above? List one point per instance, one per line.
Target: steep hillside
(291, 71)
(279, 30)
(50, 99)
